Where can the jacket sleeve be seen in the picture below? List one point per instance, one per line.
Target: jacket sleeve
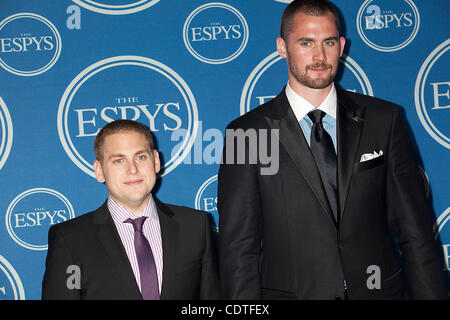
(209, 286)
(410, 219)
(240, 223)
(60, 280)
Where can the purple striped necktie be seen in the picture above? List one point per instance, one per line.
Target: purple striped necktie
(146, 262)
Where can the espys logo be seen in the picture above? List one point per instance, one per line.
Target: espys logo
(431, 94)
(386, 25)
(32, 212)
(29, 44)
(11, 287)
(119, 7)
(6, 133)
(264, 81)
(215, 33)
(206, 200)
(132, 87)
(444, 236)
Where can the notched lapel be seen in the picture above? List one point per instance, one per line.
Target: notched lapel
(295, 144)
(110, 239)
(350, 123)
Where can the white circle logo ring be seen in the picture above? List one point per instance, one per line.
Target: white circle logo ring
(222, 6)
(7, 133)
(359, 74)
(57, 48)
(419, 95)
(198, 196)
(441, 222)
(115, 9)
(80, 79)
(375, 46)
(249, 86)
(26, 194)
(13, 278)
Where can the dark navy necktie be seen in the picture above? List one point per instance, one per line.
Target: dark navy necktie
(323, 151)
(146, 262)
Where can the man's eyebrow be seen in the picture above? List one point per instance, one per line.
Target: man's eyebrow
(142, 151)
(305, 39)
(116, 155)
(331, 38)
(121, 155)
(313, 39)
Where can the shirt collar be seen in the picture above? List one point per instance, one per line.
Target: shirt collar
(301, 107)
(120, 214)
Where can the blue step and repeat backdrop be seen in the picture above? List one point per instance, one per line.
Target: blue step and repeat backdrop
(185, 69)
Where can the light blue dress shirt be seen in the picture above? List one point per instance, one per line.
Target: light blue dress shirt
(329, 124)
(301, 108)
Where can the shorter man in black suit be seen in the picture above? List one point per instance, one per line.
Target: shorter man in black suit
(133, 246)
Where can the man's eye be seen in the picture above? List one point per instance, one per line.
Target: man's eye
(118, 161)
(330, 43)
(141, 157)
(305, 44)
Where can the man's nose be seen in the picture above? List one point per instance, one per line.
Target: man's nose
(132, 168)
(319, 54)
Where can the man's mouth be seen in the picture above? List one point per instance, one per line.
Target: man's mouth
(319, 68)
(133, 182)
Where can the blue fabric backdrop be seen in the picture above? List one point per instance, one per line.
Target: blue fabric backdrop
(185, 69)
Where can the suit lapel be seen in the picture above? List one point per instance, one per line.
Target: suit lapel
(169, 238)
(291, 137)
(110, 239)
(350, 121)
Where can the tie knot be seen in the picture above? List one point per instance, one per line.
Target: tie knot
(316, 116)
(137, 223)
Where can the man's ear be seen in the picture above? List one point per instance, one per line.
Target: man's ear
(281, 47)
(342, 44)
(99, 171)
(157, 161)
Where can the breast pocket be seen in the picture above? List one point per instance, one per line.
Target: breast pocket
(369, 164)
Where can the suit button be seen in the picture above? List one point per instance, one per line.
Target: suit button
(340, 245)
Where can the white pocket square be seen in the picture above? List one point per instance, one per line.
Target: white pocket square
(370, 156)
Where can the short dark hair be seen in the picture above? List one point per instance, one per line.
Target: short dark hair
(310, 7)
(116, 127)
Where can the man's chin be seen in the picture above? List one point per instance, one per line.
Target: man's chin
(134, 199)
(318, 84)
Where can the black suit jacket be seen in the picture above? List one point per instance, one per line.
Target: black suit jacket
(278, 237)
(91, 241)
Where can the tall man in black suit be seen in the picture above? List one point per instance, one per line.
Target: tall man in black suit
(169, 255)
(322, 226)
